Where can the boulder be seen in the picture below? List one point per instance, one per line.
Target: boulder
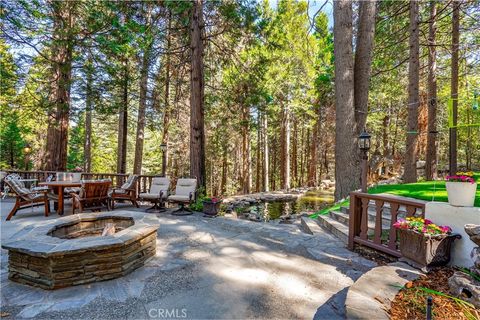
(464, 286)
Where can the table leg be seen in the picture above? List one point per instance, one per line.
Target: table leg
(60, 200)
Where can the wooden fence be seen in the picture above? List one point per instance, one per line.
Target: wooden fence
(381, 208)
(143, 184)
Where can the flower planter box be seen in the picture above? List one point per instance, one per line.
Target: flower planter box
(211, 208)
(425, 251)
(461, 194)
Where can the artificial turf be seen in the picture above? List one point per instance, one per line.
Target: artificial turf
(425, 190)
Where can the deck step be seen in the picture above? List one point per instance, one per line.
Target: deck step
(338, 229)
(344, 219)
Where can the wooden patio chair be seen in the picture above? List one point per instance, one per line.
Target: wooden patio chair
(185, 194)
(157, 194)
(26, 198)
(93, 196)
(128, 191)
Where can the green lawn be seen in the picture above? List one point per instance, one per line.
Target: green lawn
(427, 190)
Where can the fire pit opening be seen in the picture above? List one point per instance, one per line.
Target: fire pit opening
(91, 227)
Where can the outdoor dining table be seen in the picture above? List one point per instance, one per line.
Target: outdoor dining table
(60, 186)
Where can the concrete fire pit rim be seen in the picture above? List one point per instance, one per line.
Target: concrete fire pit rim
(37, 242)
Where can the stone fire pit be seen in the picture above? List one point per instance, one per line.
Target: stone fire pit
(72, 251)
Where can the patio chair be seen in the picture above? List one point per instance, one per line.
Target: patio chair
(157, 194)
(26, 198)
(185, 193)
(93, 196)
(127, 191)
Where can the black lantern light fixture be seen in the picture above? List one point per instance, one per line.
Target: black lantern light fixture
(163, 147)
(364, 146)
(364, 141)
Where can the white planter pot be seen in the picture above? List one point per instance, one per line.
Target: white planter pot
(461, 194)
(76, 176)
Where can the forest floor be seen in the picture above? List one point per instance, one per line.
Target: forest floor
(410, 302)
(203, 268)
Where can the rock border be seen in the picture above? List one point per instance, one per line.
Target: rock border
(371, 295)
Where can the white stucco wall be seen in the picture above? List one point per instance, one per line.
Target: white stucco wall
(441, 213)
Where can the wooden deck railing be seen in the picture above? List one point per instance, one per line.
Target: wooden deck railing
(143, 184)
(382, 240)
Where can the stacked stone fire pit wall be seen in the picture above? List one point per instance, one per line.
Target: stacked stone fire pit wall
(35, 260)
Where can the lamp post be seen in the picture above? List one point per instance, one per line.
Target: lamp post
(26, 151)
(364, 146)
(163, 147)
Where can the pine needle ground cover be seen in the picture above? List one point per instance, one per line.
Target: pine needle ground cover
(425, 190)
(410, 302)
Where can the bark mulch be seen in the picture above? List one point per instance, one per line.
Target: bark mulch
(410, 303)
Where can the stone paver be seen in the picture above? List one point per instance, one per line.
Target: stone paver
(203, 268)
(371, 295)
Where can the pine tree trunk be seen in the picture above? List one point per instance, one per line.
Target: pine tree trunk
(246, 171)
(410, 174)
(431, 156)
(87, 145)
(454, 86)
(273, 169)
(137, 164)
(197, 96)
(223, 186)
(123, 124)
(258, 163)
(285, 148)
(166, 111)
(294, 156)
(347, 173)
(266, 184)
(59, 98)
(140, 137)
(312, 166)
(363, 61)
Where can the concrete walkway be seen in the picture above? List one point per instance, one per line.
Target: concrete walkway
(204, 268)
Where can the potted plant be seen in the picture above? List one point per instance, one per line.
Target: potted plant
(424, 244)
(211, 206)
(461, 189)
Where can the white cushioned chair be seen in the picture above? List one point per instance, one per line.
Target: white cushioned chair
(157, 194)
(185, 193)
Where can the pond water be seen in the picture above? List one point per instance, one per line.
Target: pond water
(312, 201)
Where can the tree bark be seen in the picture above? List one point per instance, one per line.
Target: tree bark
(197, 95)
(87, 145)
(59, 98)
(294, 156)
(347, 175)
(166, 111)
(363, 61)
(123, 123)
(246, 171)
(454, 87)
(431, 157)
(266, 184)
(312, 166)
(140, 137)
(410, 174)
(258, 163)
(285, 148)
